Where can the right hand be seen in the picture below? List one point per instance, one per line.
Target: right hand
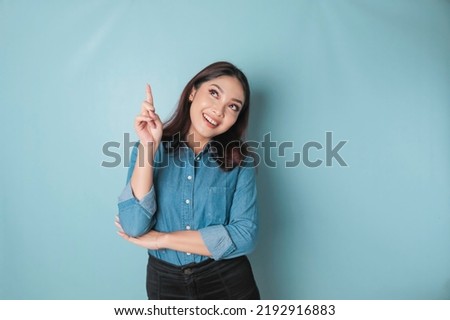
(147, 124)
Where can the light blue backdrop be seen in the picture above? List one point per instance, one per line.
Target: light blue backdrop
(374, 73)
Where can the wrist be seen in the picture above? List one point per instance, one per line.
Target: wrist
(147, 152)
(150, 147)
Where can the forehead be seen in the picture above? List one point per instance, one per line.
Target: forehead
(230, 86)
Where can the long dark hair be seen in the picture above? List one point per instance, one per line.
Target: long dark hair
(229, 147)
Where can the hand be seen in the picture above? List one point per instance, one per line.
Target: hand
(147, 124)
(149, 240)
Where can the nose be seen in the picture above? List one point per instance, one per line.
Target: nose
(218, 109)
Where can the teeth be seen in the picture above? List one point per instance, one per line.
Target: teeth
(210, 120)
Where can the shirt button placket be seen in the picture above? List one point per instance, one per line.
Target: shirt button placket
(188, 201)
(188, 227)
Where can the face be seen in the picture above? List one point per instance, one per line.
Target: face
(215, 107)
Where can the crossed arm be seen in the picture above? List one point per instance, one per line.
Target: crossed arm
(184, 241)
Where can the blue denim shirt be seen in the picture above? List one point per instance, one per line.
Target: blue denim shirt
(192, 193)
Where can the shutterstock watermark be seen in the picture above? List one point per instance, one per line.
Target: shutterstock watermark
(267, 152)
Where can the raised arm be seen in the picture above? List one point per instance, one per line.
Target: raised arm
(137, 203)
(149, 129)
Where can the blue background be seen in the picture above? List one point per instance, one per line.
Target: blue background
(375, 73)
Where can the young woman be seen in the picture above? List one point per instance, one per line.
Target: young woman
(190, 197)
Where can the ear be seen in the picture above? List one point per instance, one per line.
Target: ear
(192, 94)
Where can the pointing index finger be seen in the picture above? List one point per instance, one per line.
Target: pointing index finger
(149, 98)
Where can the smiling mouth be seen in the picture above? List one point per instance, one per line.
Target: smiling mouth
(210, 120)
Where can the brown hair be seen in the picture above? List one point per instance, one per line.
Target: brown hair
(229, 148)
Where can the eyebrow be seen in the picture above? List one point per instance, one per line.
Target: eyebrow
(221, 91)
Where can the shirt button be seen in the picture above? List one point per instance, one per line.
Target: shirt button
(198, 158)
(187, 201)
(188, 227)
(188, 253)
(189, 177)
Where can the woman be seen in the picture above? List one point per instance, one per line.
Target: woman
(190, 197)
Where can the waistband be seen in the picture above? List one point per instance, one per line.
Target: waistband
(191, 268)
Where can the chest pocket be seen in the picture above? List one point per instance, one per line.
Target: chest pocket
(217, 208)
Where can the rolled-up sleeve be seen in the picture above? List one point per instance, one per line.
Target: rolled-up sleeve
(136, 216)
(218, 241)
(239, 236)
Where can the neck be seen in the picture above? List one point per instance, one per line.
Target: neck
(196, 144)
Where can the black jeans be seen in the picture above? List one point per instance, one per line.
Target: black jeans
(207, 280)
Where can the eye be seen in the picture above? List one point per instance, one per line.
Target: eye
(214, 93)
(234, 107)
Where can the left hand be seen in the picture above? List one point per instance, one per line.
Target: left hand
(149, 240)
